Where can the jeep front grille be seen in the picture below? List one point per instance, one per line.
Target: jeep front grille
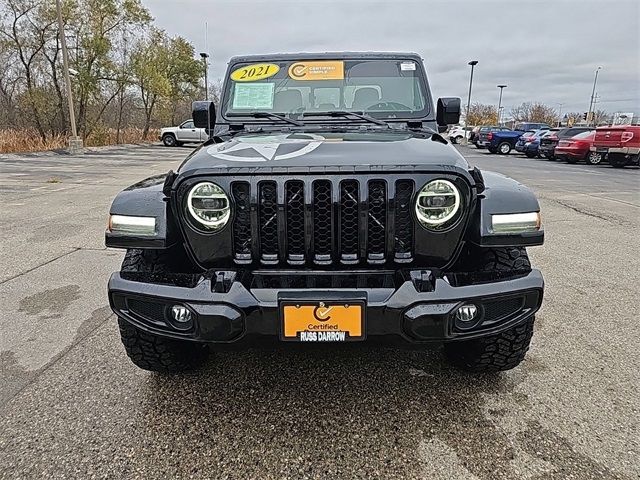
(323, 221)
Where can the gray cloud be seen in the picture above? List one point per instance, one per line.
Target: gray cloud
(543, 50)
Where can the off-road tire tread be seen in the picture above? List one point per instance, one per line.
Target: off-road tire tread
(504, 350)
(496, 353)
(158, 354)
(504, 259)
(147, 261)
(148, 351)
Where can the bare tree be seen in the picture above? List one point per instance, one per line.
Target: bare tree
(481, 114)
(535, 112)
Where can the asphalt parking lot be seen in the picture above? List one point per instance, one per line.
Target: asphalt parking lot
(73, 406)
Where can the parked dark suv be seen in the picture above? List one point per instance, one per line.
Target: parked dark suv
(325, 207)
(549, 142)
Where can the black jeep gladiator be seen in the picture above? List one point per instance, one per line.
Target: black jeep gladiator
(326, 207)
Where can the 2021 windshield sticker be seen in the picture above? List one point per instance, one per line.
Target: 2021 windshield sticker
(328, 70)
(254, 72)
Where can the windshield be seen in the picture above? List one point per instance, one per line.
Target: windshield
(386, 89)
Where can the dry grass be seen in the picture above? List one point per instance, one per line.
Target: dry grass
(28, 140)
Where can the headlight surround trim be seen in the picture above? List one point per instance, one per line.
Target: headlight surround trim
(218, 193)
(448, 219)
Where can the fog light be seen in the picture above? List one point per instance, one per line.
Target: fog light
(181, 314)
(467, 313)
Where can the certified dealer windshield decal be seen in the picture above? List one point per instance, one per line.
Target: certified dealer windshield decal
(327, 70)
(268, 147)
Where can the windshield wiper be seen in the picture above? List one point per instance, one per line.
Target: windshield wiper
(279, 116)
(345, 113)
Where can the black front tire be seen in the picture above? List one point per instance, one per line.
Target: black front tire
(617, 160)
(504, 148)
(504, 350)
(146, 350)
(495, 353)
(594, 158)
(531, 154)
(169, 140)
(158, 354)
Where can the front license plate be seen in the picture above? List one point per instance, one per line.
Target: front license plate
(322, 321)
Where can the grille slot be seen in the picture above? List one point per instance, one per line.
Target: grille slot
(376, 221)
(322, 222)
(268, 216)
(349, 227)
(403, 241)
(294, 208)
(495, 310)
(241, 222)
(150, 311)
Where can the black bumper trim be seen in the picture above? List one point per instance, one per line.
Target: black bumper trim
(245, 316)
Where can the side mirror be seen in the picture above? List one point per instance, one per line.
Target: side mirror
(204, 114)
(448, 112)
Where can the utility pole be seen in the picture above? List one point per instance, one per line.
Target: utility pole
(473, 63)
(75, 143)
(205, 56)
(593, 94)
(500, 103)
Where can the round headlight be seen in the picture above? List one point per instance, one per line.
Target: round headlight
(209, 205)
(437, 203)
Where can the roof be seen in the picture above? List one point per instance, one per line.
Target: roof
(323, 55)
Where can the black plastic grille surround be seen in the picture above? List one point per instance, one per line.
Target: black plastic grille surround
(323, 221)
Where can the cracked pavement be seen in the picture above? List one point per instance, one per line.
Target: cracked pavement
(73, 406)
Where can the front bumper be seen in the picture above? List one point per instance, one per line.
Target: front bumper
(401, 308)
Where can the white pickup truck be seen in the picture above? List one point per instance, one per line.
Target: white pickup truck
(186, 132)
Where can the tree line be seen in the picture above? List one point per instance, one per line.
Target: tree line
(483, 114)
(126, 72)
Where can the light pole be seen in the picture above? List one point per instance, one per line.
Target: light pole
(593, 94)
(500, 102)
(560, 114)
(75, 143)
(473, 63)
(206, 80)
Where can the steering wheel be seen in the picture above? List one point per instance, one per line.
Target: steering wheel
(394, 106)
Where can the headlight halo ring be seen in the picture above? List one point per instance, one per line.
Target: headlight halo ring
(436, 224)
(217, 192)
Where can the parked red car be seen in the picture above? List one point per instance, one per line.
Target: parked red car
(578, 148)
(620, 144)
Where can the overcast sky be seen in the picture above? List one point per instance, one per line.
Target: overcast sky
(544, 51)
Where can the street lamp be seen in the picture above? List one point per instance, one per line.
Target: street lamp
(593, 95)
(473, 63)
(500, 103)
(75, 143)
(560, 113)
(206, 68)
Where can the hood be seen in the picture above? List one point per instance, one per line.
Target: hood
(346, 149)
